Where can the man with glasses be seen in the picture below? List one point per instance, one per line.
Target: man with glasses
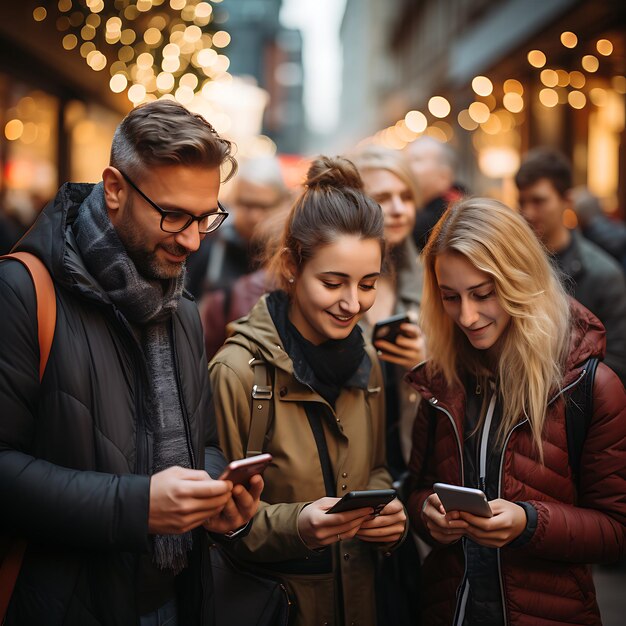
(109, 467)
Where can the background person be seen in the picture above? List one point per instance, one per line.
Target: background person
(434, 166)
(506, 345)
(327, 381)
(389, 181)
(259, 189)
(106, 466)
(544, 181)
(596, 226)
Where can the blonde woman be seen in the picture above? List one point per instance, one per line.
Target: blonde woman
(387, 178)
(507, 347)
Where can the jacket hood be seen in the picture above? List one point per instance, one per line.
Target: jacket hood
(587, 340)
(51, 239)
(257, 330)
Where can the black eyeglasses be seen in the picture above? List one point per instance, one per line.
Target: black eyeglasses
(177, 221)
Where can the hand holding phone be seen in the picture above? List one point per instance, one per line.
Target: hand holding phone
(390, 328)
(455, 498)
(377, 499)
(239, 472)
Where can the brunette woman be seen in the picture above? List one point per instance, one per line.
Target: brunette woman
(326, 432)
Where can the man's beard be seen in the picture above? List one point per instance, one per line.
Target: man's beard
(145, 260)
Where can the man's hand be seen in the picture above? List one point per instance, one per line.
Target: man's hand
(443, 527)
(408, 350)
(181, 499)
(239, 510)
(508, 523)
(387, 527)
(318, 529)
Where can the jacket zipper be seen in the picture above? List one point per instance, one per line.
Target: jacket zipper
(463, 589)
(506, 443)
(182, 400)
(142, 465)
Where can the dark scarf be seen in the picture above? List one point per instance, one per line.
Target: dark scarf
(148, 305)
(331, 363)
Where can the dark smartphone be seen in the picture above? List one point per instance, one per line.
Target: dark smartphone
(240, 472)
(389, 328)
(377, 499)
(455, 498)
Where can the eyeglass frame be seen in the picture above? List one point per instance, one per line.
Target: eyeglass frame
(222, 213)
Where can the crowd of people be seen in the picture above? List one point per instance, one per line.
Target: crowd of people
(378, 329)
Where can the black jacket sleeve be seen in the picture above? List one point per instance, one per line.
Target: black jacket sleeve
(42, 501)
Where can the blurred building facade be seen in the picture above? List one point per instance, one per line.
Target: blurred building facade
(494, 79)
(269, 55)
(71, 69)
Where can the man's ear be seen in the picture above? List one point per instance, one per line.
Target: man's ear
(114, 189)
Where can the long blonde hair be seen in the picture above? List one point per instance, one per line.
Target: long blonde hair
(497, 241)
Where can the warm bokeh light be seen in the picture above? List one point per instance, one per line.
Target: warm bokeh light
(598, 96)
(492, 126)
(13, 130)
(70, 42)
(577, 99)
(165, 81)
(548, 97)
(416, 121)
(569, 39)
(511, 85)
(64, 5)
(177, 5)
(619, 84)
(118, 83)
(439, 106)
(482, 85)
(590, 63)
(549, 78)
(221, 39)
(152, 36)
(536, 58)
(465, 120)
(40, 14)
(604, 47)
(577, 79)
(136, 93)
(498, 162)
(562, 78)
(479, 112)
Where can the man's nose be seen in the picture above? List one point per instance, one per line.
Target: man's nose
(190, 237)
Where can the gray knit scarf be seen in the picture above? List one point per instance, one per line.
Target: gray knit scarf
(148, 306)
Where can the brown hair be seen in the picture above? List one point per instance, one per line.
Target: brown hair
(333, 203)
(165, 133)
(545, 163)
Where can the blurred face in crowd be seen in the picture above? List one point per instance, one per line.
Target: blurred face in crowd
(334, 289)
(542, 207)
(434, 177)
(396, 201)
(470, 300)
(252, 203)
(157, 254)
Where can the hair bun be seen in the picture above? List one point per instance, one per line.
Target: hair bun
(334, 172)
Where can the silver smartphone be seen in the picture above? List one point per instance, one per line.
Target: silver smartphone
(455, 498)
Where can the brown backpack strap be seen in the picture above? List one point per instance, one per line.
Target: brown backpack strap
(259, 408)
(46, 322)
(46, 303)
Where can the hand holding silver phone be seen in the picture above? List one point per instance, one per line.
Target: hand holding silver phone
(455, 498)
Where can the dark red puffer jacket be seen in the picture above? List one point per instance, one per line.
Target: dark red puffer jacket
(548, 580)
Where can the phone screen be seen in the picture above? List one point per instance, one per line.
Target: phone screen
(240, 472)
(376, 499)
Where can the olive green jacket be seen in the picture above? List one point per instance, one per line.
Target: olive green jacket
(355, 436)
